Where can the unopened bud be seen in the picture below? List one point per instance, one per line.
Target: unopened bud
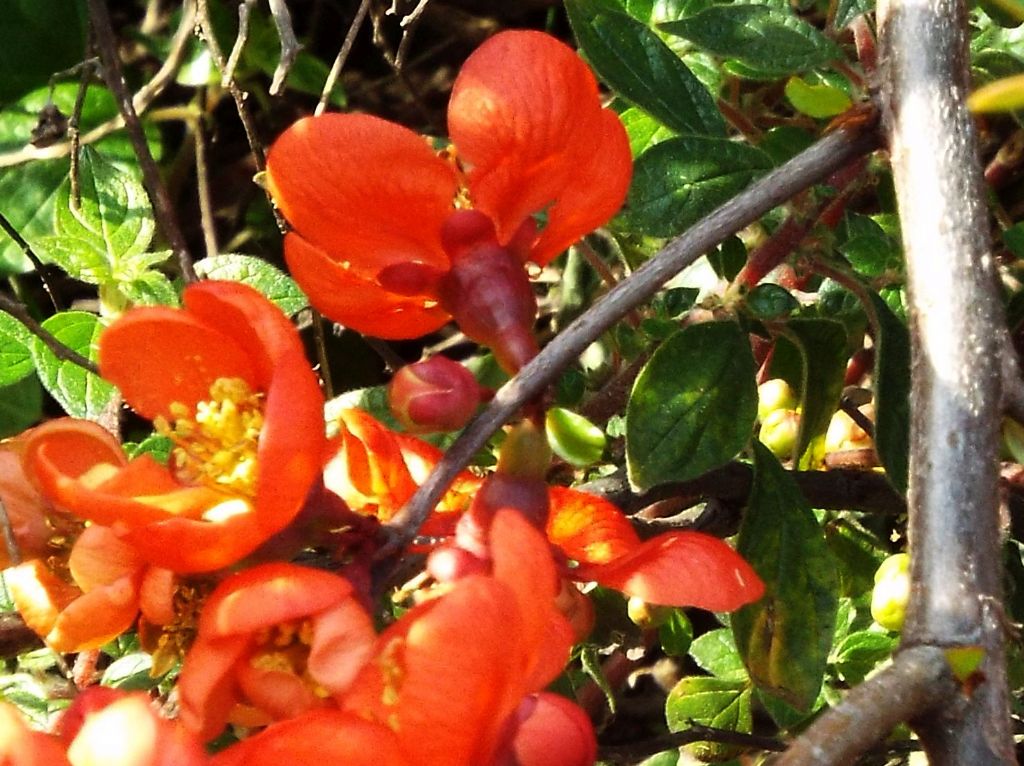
(435, 395)
(779, 432)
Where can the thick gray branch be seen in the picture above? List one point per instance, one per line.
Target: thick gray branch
(804, 170)
(958, 338)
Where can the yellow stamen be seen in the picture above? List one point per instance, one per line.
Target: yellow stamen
(217, 444)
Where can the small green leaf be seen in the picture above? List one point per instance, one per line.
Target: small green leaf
(765, 38)
(15, 357)
(130, 673)
(590, 660)
(257, 273)
(848, 10)
(80, 393)
(680, 180)
(818, 101)
(693, 405)
(822, 347)
(21, 405)
(892, 395)
(785, 638)
(964, 661)
(869, 249)
(771, 301)
(643, 130)
(676, 634)
(711, 702)
(860, 653)
(716, 653)
(633, 60)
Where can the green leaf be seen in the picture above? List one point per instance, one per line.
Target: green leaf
(96, 241)
(785, 638)
(150, 289)
(693, 405)
(15, 357)
(130, 673)
(79, 392)
(29, 190)
(680, 180)
(869, 249)
(676, 634)
(573, 438)
(771, 301)
(711, 702)
(860, 653)
(767, 39)
(892, 394)
(818, 101)
(716, 653)
(257, 273)
(37, 39)
(848, 10)
(822, 347)
(21, 405)
(643, 130)
(632, 59)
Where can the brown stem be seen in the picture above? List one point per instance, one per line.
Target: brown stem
(162, 205)
(807, 168)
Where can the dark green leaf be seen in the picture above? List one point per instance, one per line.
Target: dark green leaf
(892, 394)
(80, 393)
(729, 258)
(848, 10)
(768, 39)
(666, 758)
(257, 273)
(771, 301)
(784, 143)
(643, 130)
(130, 673)
(676, 634)
(15, 357)
(785, 637)
(711, 702)
(693, 405)
(678, 181)
(21, 405)
(859, 653)
(716, 653)
(155, 445)
(634, 61)
(822, 347)
(37, 39)
(1013, 238)
(591, 663)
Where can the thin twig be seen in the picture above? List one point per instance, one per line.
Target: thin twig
(37, 264)
(634, 753)
(162, 205)
(240, 40)
(408, 24)
(342, 57)
(290, 46)
(62, 352)
(142, 100)
(323, 360)
(206, 219)
(804, 170)
(74, 136)
(205, 27)
(16, 637)
(917, 681)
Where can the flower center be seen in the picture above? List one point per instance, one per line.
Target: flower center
(168, 644)
(216, 445)
(285, 648)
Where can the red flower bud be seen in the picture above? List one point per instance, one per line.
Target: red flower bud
(435, 395)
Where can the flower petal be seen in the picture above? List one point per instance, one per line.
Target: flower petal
(588, 528)
(199, 545)
(38, 594)
(26, 509)
(358, 302)
(159, 355)
(207, 689)
(95, 618)
(343, 640)
(23, 747)
(526, 117)
(269, 594)
(99, 557)
(681, 569)
(555, 732)
(366, 191)
(317, 738)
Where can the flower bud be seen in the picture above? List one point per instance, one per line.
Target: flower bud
(435, 395)
(779, 431)
(892, 592)
(772, 395)
(645, 615)
(525, 452)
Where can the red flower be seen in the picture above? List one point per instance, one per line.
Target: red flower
(20, 746)
(26, 509)
(227, 379)
(374, 242)
(455, 677)
(274, 641)
(673, 569)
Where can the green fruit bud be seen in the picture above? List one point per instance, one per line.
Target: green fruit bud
(774, 395)
(645, 615)
(779, 431)
(892, 592)
(573, 438)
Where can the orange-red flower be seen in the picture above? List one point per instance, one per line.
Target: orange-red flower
(371, 205)
(274, 641)
(227, 379)
(455, 677)
(26, 509)
(20, 746)
(109, 584)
